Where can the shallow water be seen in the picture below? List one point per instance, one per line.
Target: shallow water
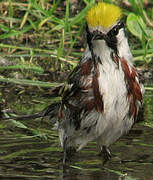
(30, 154)
(34, 158)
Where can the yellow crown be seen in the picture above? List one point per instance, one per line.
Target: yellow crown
(103, 14)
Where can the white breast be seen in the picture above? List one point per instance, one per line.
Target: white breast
(115, 120)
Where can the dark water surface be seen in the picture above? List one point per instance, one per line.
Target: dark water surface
(27, 156)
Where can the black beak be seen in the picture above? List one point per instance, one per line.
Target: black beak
(94, 35)
(97, 36)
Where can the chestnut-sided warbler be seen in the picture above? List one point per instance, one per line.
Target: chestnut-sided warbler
(103, 95)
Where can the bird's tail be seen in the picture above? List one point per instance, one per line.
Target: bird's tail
(50, 112)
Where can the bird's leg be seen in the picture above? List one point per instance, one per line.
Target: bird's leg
(105, 153)
(68, 152)
(65, 150)
(64, 156)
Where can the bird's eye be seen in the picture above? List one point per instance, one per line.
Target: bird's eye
(114, 31)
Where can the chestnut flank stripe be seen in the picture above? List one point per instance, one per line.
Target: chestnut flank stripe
(86, 67)
(134, 91)
(99, 106)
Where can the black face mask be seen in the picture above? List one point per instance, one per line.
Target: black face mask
(110, 37)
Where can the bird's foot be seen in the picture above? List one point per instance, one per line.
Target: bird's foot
(68, 153)
(106, 154)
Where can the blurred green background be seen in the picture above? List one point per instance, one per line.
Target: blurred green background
(41, 41)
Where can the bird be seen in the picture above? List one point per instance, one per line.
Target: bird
(103, 94)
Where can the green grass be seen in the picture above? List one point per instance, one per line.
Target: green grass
(50, 29)
(53, 32)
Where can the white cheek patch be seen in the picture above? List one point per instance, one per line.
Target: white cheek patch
(123, 47)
